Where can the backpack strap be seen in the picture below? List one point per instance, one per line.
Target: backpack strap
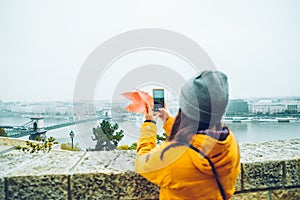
(212, 167)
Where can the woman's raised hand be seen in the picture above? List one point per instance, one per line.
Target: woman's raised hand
(164, 114)
(150, 115)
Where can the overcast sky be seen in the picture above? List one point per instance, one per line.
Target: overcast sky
(43, 44)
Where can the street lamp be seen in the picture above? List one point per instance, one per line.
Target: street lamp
(72, 134)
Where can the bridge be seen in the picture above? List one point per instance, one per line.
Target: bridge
(35, 127)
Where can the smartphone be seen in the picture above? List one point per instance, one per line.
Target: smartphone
(159, 99)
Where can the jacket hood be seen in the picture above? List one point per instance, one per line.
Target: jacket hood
(221, 153)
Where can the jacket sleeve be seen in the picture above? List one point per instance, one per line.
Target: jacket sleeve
(168, 125)
(148, 132)
(148, 162)
(147, 139)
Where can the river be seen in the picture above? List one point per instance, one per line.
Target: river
(245, 132)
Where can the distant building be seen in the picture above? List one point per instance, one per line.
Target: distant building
(272, 107)
(267, 107)
(237, 106)
(292, 106)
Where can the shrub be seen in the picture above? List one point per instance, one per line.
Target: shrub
(3, 133)
(127, 147)
(162, 138)
(107, 136)
(44, 145)
(68, 146)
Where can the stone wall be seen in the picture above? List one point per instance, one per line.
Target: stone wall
(269, 170)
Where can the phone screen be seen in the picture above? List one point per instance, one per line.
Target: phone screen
(159, 98)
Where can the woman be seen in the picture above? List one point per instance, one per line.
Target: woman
(200, 159)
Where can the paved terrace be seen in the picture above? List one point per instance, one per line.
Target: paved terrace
(270, 170)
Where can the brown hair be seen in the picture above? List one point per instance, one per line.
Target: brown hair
(183, 130)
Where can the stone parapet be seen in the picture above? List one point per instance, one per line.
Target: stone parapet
(269, 170)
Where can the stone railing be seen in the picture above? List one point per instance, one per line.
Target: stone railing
(269, 170)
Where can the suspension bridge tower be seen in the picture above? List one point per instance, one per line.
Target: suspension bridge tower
(38, 128)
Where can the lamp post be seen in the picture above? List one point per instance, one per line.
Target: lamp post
(72, 134)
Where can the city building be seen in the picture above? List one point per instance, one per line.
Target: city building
(275, 106)
(237, 106)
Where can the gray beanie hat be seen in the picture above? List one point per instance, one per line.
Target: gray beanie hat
(204, 97)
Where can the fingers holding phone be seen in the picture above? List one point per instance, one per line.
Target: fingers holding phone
(150, 115)
(164, 114)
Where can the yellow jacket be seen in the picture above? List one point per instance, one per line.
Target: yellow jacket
(183, 173)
